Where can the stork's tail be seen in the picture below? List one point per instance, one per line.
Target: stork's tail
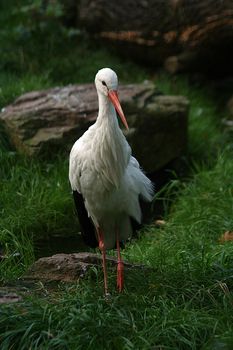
(147, 188)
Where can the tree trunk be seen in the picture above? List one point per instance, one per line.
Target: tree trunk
(153, 30)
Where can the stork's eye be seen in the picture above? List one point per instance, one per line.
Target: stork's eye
(103, 82)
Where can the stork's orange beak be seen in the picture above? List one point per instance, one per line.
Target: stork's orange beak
(113, 96)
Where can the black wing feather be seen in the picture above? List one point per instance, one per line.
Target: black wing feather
(86, 225)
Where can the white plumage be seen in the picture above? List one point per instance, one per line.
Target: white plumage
(103, 170)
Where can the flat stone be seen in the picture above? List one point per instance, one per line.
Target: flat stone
(70, 267)
(42, 122)
(9, 296)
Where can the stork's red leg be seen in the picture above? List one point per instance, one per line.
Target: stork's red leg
(120, 267)
(103, 251)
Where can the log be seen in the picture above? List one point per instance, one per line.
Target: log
(151, 30)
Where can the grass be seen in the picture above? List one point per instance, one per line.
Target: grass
(35, 201)
(185, 301)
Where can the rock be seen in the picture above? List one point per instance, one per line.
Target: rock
(9, 296)
(184, 62)
(69, 267)
(160, 133)
(42, 122)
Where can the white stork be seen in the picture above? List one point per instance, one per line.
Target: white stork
(106, 180)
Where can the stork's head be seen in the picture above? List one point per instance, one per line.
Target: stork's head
(106, 83)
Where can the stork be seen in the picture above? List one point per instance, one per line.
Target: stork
(106, 179)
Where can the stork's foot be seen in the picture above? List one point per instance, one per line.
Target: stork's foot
(120, 276)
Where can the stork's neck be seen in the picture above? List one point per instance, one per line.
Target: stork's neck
(107, 119)
(107, 114)
(110, 146)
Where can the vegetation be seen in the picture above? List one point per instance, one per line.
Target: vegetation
(185, 300)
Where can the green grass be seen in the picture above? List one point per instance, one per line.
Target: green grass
(185, 300)
(35, 202)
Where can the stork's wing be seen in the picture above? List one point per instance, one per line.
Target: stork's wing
(86, 225)
(142, 185)
(75, 170)
(75, 166)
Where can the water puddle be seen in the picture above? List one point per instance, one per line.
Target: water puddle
(57, 243)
